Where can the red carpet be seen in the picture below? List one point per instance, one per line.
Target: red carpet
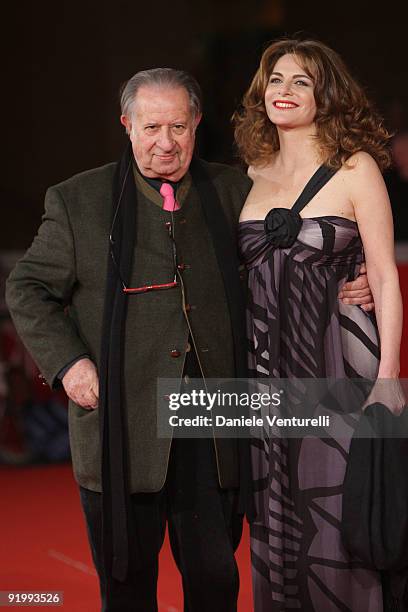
(44, 544)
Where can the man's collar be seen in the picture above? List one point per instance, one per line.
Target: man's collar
(156, 183)
(151, 187)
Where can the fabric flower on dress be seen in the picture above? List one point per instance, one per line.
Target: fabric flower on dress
(282, 226)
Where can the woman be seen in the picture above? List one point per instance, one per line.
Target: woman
(304, 116)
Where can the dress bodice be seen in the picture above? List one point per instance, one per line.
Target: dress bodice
(293, 301)
(322, 241)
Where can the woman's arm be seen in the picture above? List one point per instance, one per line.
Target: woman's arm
(373, 214)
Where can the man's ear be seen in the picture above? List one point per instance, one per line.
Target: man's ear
(126, 122)
(197, 120)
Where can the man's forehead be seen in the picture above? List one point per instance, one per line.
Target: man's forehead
(156, 100)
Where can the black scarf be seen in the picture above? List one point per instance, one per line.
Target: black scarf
(115, 476)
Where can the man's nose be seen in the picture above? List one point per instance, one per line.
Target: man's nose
(166, 140)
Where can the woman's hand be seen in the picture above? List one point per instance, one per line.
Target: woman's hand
(389, 392)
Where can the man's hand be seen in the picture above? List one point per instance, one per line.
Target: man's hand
(358, 292)
(81, 383)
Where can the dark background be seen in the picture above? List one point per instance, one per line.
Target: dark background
(64, 61)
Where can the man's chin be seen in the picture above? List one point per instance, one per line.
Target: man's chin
(169, 171)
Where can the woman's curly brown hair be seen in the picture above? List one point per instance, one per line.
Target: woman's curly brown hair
(346, 122)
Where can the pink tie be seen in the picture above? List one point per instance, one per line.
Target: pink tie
(170, 203)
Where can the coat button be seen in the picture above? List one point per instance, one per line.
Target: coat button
(188, 347)
(181, 266)
(175, 353)
(187, 307)
(42, 379)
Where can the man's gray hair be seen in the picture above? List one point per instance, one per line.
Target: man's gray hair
(161, 77)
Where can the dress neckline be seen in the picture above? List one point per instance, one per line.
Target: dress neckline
(303, 219)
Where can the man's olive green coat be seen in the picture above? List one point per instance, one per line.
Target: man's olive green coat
(56, 299)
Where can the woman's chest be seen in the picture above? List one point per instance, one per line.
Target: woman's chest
(332, 199)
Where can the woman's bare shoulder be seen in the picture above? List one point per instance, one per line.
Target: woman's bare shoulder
(363, 180)
(360, 166)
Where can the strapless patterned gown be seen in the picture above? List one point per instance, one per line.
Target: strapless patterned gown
(297, 327)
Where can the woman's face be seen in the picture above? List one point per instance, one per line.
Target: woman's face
(289, 97)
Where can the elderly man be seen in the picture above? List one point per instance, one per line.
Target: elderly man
(133, 276)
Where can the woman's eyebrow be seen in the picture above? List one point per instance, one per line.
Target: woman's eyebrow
(295, 76)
